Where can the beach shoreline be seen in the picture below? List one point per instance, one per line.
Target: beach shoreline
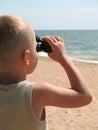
(44, 55)
(84, 118)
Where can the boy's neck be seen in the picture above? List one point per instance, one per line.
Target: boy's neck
(10, 79)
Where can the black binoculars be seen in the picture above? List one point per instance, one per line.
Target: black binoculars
(42, 45)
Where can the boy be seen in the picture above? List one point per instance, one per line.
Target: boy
(22, 104)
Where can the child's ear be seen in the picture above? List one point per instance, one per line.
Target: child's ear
(27, 57)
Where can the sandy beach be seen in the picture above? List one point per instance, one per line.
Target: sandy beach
(84, 118)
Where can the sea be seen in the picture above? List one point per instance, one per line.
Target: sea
(81, 45)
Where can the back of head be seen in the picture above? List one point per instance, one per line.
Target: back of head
(14, 37)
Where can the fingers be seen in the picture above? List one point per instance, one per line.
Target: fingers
(59, 38)
(58, 47)
(53, 39)
(50, 38)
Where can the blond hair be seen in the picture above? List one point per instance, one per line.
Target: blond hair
(13, 37)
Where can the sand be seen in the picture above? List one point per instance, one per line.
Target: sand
(84, 118)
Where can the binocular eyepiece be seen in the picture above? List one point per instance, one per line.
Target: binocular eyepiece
(42, 45)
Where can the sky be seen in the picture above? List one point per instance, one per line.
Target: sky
(54, 14)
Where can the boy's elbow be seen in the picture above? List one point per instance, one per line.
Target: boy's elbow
(88, 99)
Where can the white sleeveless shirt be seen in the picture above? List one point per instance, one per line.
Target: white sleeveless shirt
(16, 111)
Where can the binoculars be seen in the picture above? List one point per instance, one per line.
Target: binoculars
(42, 45)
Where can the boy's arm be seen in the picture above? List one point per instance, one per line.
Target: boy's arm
(49, 95)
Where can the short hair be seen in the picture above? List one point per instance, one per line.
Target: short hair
(13, 35)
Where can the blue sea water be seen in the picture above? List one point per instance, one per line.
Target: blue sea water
(80, 44)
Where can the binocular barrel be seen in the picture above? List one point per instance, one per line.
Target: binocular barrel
(42, 45)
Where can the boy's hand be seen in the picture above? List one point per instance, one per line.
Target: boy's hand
(58, 47)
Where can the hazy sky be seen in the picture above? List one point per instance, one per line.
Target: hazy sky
(54, 14)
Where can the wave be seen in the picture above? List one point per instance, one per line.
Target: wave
(42, 54)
